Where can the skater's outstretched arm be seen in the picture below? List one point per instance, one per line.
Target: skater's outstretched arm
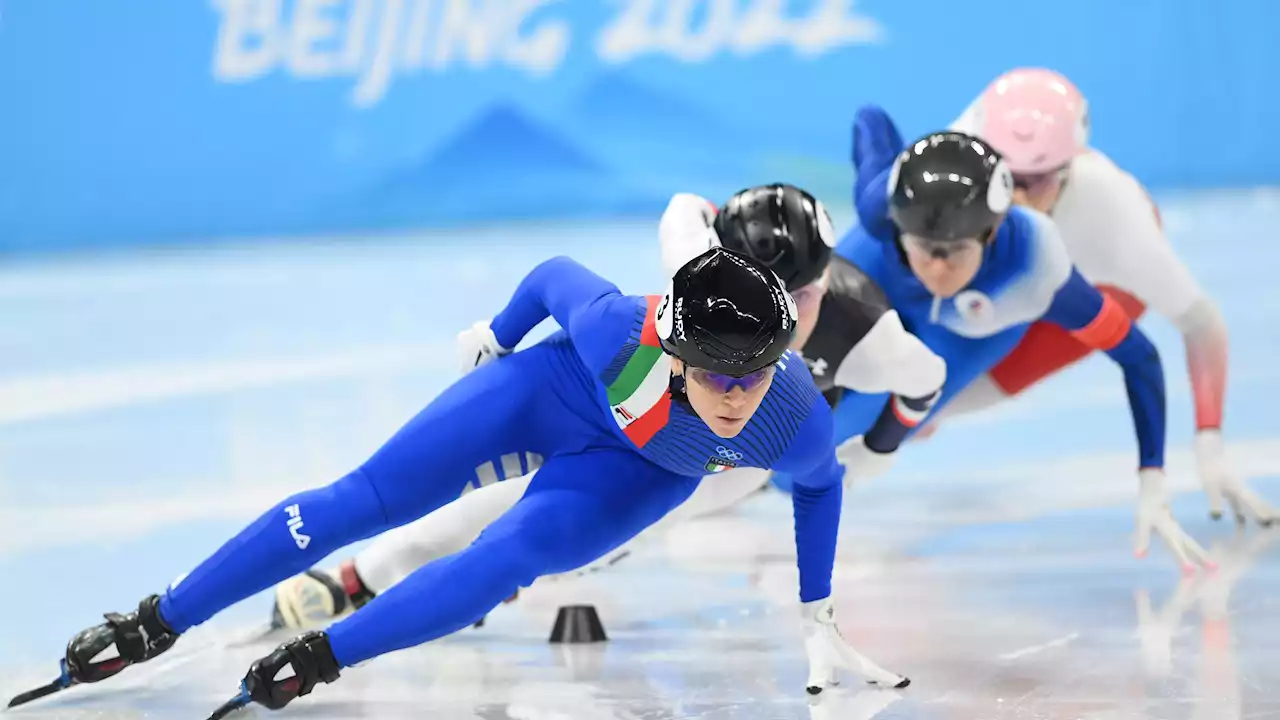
(1099, 322)
(592, 310)
(876, 144)
(816, 499)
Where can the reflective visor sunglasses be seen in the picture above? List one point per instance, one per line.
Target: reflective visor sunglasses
(721, 383)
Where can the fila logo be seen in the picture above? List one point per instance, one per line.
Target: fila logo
(295, 527)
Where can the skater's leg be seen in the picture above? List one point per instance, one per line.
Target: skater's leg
(715, 493)
(498, 411)
(1045, 350)
(318, 597)
(578, 508)
(394, 555)
(391, 557)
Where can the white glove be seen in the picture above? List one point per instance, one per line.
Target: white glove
(1153, 514)
(685, 230)
(828, 652)
(860, 461)
(478, 346)
(1220, 482)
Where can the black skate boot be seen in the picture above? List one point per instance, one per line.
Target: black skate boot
(137, 637)
(311, 660)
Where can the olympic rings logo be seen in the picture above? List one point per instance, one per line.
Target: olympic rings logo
(728, 454)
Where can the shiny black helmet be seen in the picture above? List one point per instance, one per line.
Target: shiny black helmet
(783, 227)
(726, 312)
(949, 186)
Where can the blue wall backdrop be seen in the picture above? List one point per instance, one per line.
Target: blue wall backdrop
(144, 121)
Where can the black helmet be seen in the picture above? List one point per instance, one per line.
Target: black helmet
(949, 186)
(783, 227)
(727, 313)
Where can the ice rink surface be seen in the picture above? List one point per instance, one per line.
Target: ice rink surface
(151, 404)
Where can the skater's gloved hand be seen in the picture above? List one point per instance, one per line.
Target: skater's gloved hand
(861, 462)
(1153, 514)
(478, 346)
(874, 135)
(1220, 482)
(685, 230)
(828, 652)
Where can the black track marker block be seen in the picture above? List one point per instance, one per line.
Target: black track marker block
(578, 624)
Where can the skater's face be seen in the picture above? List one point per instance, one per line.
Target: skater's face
(725, 412)
(1040, 192)
(943, 268)
(808, 302)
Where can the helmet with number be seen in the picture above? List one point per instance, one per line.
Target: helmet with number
(1036, 118)
(783, 227)
(727, 313)
(949, 186)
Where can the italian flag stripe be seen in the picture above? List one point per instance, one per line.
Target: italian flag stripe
(642, 359)
(634, 374)
(643, 429)
(640, 399)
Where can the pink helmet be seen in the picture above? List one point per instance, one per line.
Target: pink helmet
(1035, 118)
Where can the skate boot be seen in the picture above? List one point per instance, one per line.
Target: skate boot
(311, 661)
(318, 597)
(137, 637)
